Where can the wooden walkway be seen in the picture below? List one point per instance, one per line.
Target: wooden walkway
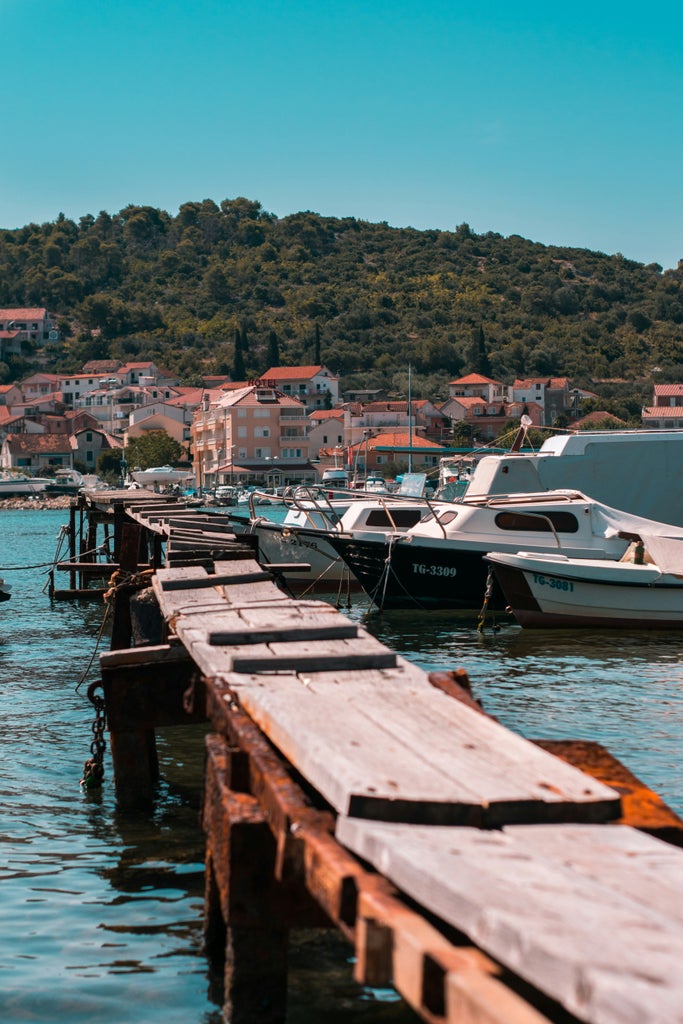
(485, 877)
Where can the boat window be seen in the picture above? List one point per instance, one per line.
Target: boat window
(441, 517)
(563, 522)
(403, 517)
(446, 517)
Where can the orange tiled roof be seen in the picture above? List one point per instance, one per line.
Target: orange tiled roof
(474, 378)
(36, 443)
(23, 313)
(397, 439)
(291, 372)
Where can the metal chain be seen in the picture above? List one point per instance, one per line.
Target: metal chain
(93, 769)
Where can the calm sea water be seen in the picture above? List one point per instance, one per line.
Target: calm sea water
(102, 912)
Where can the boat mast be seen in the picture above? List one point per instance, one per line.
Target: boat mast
(410, 421)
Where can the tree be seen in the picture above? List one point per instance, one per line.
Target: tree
(109, 465)
(157, 448)
(480, 357)
(273, 350)
(316, 357)
(238, 370)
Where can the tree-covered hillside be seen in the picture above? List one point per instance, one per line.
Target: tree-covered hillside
(232, 288)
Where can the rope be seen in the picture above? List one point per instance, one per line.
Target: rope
(107, 609)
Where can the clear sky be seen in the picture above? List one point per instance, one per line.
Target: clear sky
(561, 122)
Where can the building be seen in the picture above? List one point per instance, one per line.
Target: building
(88, 444)
(36, 452)
(326, 430)
(666, 411)
(28, 327)
(392, 450)
(252, 433)
(476, 385)
(552, 394)
(315, 386)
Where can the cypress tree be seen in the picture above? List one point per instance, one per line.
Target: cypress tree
(316, 358)
(273, 350)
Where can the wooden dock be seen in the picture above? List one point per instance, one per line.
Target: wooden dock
(487, 877)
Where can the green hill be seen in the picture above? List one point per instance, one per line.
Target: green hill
(187, 290)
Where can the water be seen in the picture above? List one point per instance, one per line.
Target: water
(102, 912)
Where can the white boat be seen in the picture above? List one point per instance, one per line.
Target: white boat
(162, 475)
(66, 481)
(302, 537)
(439, 562)
(638, 471)
(20, 485)
(547, 591)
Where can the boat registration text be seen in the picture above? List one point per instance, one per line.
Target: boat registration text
(553, 582)
(434, 570)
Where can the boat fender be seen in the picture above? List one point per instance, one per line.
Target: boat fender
(286, 532)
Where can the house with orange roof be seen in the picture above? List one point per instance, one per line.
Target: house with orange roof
(252, 433)
(488, 419)
(666, 411)
(36, 452)
(22, 326)
(40, 385)
(315, 386)
(597, 420)
(393, 451)
(10, 394)
(476, 385)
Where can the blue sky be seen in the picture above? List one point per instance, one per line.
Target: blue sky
(559, 122)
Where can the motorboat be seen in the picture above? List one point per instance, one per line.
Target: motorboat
(65, 481)
(5, 591)
(20, 485)
(161, 475)
(302, 538)
(548, 591)
(439, 562)
(634, 470)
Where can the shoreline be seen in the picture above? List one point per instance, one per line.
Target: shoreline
(33, 504)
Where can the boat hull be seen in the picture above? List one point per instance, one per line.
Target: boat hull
(326, 571)
(396, 574)
(550, 595)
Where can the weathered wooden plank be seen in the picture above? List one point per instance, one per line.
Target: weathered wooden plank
(641, 807)
(346, 759)
(363, 768)
(161, 654)
(222, 579)
(312, 655)
(287, 623)
(507, 777)
(544, 902)
(458, 739)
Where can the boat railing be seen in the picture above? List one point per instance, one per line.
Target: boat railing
(525, 499)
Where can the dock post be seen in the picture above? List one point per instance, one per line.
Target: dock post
(245, 929)
(72, 543)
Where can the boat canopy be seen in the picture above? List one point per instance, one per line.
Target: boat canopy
(663, 543)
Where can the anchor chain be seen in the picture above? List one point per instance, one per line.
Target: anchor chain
(93, 768)
(481, 621)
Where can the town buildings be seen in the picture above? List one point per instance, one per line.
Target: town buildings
(286, 427)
